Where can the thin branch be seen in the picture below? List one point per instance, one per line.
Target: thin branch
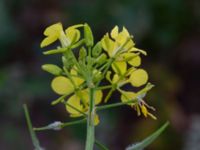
(103, 107)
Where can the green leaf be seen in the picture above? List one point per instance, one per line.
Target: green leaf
(34, 138)
(141, 145)
(58, 100)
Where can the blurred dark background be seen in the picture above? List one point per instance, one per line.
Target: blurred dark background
(167, 29)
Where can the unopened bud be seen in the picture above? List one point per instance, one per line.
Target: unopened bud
(53, 69)
(89, 41)
(96, 51)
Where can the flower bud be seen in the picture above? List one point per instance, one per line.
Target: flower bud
(82, 54)
(101, 59)
(96, 51)
(53, 69)
(89, 41)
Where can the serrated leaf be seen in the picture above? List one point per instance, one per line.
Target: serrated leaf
(147, 141)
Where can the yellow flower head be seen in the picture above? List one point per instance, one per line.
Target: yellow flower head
(140, 105)
(112, 45)
(55, 32)
(121, 46)
(78, 99)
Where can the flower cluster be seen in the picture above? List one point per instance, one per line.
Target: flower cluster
(78, 82)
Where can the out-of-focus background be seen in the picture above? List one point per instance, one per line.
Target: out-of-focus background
(167, 29)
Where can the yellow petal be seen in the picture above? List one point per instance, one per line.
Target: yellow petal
(139, 77)
(127, 96)
(48, 40)
(119, 67)
(75, 102)
(108, 45)
(115, 78)
(132, 58)
(62, 85)
(73, 34)
(125, 32)
(121, 38)
(54, 29)
(52, 32)
(98, 96)
(84, 94)
(96, 120)
(114, 32)
(144, 110)
(78, 81)
(135, 62)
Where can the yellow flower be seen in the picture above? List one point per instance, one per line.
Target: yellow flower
(55, 32)
(138, 77)
(78, 98)
(140, 105)
(116, 80)
(118, 39)
(123, 53)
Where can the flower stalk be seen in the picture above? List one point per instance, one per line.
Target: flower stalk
(90, 139)
(79, 81)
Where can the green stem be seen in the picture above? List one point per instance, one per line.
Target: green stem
(109, 94)
(107, 66)
(62, 125)
(90, 123)
(104, 87)
(73, 122)
(115, 105)
(34, 139)
(79, 43)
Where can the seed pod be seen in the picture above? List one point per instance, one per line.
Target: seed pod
(53, 69)
(96, 51)
(89, 40)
